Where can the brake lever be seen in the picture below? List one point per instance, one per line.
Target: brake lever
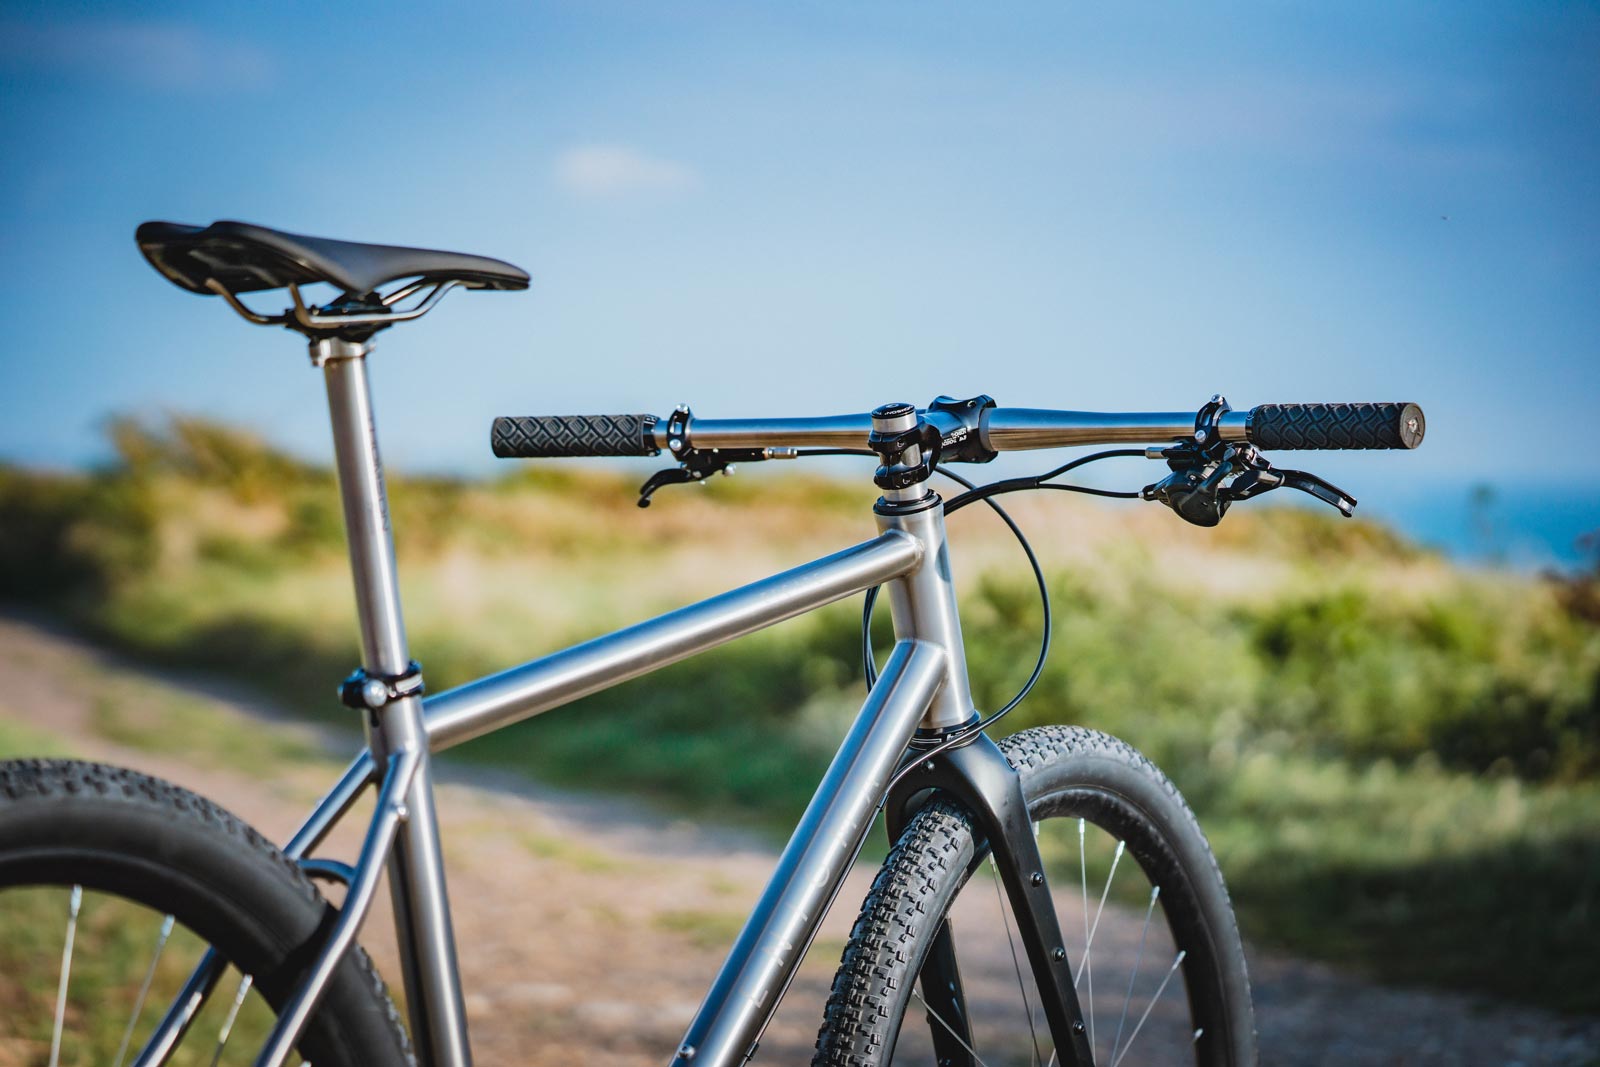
(1323, 490)
(696, 465)
(1261, 477)
(669, 476)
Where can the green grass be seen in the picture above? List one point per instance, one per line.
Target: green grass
(703, 929)
(1418, 875)
(569, 853)
(19, 740)
(114, 944)
(193, 730)
(1397, 759)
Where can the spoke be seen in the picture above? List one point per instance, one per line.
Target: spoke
(233, 1013)
(1155, 891)
(1147, 1008)
(74, 904)
(1088, 967)
(144, 990)
(1015, 962)
(937, 1018)
(1097, 913)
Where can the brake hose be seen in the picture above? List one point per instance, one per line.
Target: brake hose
(985, 494)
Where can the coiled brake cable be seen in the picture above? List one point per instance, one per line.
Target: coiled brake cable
(971, 496)
(869, 662)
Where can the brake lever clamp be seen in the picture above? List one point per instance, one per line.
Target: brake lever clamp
(1199, 467)
(694, 464)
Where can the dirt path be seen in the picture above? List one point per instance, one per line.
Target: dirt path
(589, 928)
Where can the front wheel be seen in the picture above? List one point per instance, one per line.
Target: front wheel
(112, 886)
(1172, 989)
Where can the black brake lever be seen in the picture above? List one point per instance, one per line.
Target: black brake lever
(1261, 477)
(669, 476)
(1323, 490)
(697, 465)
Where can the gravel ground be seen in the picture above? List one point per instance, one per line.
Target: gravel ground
(589, 928)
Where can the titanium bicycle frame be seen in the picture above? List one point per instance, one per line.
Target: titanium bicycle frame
(923, 686)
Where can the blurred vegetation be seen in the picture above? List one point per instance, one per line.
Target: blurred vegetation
(1397, 759)
(111, 956)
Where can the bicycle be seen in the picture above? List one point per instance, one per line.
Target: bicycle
(960, 808)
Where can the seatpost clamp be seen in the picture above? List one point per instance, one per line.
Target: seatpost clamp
(365, 691)
(325, 350)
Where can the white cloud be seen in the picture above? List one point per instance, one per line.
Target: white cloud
(616, 170)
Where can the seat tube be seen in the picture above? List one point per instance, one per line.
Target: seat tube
(416, 869)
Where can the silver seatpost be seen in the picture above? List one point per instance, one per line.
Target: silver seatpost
(393, 721)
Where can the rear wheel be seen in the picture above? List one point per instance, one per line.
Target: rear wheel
(112, 886)
(1158, 966)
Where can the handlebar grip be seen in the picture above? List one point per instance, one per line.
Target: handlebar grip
(1288, 426)
(551, 436)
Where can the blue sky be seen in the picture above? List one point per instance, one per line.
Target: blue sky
(804, 208)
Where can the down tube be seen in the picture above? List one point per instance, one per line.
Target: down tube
(814, 863)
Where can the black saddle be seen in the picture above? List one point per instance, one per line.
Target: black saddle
(244, 258)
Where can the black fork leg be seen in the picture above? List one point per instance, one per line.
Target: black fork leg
(946, 1003)
(977, 776)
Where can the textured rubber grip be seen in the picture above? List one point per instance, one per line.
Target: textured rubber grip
(1287, 426)
(549, 436)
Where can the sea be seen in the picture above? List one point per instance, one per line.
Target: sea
(1523, 527)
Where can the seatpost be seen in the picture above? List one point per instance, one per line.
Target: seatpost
(389, 689)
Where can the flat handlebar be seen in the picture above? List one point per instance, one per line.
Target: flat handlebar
(1271, 426)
